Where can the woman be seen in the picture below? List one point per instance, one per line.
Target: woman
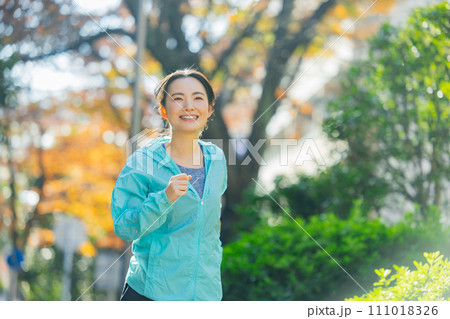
(167, 200)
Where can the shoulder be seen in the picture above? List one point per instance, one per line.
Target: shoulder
(143, 159)
(153, 145)
(212, 150)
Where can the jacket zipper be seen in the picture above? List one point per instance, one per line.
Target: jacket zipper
(199, 221)
(198, 232)
(199, 229)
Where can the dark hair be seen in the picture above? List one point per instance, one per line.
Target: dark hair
(162, 87)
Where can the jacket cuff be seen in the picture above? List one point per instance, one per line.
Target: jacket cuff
(164, 203)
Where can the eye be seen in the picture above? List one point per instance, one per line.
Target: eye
(177, 99)
(199, 98)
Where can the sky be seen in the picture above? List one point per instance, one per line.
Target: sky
(96, 7)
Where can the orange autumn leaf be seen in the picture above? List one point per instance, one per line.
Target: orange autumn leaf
(41, 237)
(87, 249)
(112, 241)
(280, 93)
(306, 109)
(340, 11)
(81, 170)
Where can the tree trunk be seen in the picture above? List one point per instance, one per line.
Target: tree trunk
(239, 176)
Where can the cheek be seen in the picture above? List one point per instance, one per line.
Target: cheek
(172, 107)
(203, 105)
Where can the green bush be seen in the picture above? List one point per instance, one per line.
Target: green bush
(334, 189)
(41, 279)
(429, 282)
(281, 262)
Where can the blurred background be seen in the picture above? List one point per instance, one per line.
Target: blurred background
(367, 81)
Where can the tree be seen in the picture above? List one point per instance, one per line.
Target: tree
(263, 45)
(276, 44)
(7, 104)
(394, 111)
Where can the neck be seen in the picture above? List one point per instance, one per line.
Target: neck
(184, 146)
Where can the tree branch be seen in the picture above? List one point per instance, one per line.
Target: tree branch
(170, 60)
(75, 45)
(12, 186)
(280, 53)
(246, 32)
(307, 31)
(171, 10)
(39, 185)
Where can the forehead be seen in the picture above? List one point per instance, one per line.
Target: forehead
(186, 85)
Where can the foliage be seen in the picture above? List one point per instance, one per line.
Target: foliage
(393, 113)
(395, 130)
(41, 279)
(429, 282)
(75, 174)
(2, 286)
(251, 50)
(42, 275)
(280, 261)
(7, 87)
(80, 183)
(334, 189)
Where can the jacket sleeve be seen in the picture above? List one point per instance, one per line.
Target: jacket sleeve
(135, 208)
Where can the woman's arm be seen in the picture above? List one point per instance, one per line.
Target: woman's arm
(135, 208)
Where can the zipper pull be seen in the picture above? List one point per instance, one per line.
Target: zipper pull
(202, 201)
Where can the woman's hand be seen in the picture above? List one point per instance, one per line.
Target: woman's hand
(177, 186)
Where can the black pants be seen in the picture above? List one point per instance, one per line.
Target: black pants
(129, 294)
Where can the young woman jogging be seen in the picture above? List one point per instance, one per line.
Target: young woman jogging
(167, 200)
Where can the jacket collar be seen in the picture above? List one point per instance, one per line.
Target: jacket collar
(155, 148)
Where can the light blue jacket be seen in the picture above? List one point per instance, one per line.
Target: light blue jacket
(176, 246)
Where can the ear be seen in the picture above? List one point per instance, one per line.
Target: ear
(210, 109)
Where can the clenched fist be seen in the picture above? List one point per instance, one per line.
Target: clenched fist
(177, 186)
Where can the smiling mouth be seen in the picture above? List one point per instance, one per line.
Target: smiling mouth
(189, 118)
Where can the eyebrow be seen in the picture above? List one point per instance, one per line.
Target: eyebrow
(179, 93)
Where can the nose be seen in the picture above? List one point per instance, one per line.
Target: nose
(187, 105)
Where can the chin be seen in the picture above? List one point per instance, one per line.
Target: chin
(189, 131)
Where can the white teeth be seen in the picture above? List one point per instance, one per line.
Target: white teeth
(189, 117)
